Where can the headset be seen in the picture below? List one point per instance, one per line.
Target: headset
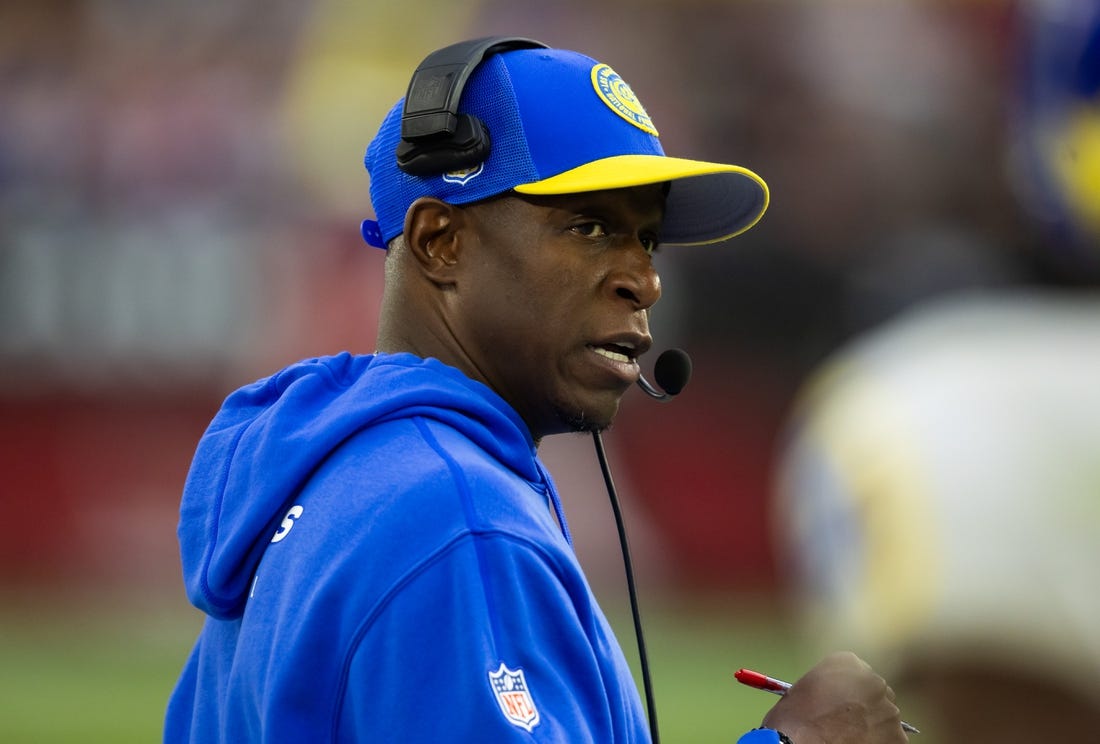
(435, 138)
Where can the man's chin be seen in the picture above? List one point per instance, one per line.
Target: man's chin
(588, 421)
(581, 425)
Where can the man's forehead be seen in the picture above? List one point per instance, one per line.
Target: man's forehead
(647, 199)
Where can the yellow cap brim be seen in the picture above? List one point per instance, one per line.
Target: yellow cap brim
(707, 202)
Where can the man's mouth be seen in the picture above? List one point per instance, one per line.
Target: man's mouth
(621, 353)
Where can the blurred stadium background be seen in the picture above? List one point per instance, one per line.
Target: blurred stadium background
(180, 192)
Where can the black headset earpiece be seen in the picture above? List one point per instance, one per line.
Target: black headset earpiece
(435, 138)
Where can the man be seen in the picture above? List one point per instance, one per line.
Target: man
(380, 551)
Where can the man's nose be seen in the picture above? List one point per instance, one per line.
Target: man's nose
(635, 279)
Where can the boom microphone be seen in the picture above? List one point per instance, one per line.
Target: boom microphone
(672, 372)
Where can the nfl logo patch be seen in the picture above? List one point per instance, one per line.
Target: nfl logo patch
(510, 689)
(464, 176)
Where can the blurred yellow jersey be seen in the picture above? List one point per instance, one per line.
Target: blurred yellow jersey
(940, 490)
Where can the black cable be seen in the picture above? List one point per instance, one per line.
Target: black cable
(643, 659)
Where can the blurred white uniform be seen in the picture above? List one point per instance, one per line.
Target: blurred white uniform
(940, 494)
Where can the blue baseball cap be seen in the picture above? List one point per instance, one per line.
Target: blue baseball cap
(562, 123)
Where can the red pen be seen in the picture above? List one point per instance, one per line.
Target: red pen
(779, 687)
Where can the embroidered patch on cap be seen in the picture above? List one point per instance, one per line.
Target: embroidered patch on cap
(614, 91)
(464, 176)
(516, 703)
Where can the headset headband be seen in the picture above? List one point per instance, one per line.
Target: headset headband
(435, 138)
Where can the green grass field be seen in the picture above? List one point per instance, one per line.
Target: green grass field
(71, 672)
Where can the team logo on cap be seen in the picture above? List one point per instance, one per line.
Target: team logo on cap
(513, 697)
(614, 91)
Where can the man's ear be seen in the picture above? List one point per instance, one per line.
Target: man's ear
(432, 235)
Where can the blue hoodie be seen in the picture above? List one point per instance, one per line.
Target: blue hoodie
(382, 557)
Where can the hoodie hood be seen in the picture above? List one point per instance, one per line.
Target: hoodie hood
(268, 438)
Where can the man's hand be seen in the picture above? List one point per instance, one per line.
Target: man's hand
(840, 701)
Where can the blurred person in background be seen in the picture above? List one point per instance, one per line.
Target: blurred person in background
(938, 495)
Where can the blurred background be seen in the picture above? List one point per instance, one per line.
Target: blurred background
(181, 186)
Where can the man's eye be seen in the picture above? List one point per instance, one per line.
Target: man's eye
(591, 229)
(651, 244)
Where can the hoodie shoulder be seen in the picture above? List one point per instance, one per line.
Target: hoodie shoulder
(269, 437)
